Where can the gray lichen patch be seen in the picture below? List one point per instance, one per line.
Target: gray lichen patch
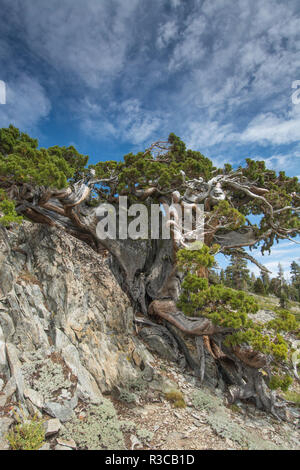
(50, 377)
(219, 420)
(203, 400)
(100, 429)
(130, 427)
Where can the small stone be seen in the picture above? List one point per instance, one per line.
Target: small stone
(137, 358)
(67, 443)
(52, 426)
(35, 397)
(59, 447)
(10, 388)
(65, 393)
(62, 412)
(197, 423)
(33, 410)
(5, 424)
(3, 399)
(134, 442)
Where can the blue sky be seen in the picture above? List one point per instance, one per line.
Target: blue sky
(112, 76)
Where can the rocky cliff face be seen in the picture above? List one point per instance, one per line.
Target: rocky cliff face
(65, 324)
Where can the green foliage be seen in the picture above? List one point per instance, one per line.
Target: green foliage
(191, 260)
(293, 396)
(274, 287)
(22, 161)
(261, 341)
(176, 397)
(295, 278)
(222, 305)
(144, 170)
(8, 210)
(282, 191)
(225, 210)
(285, 321)
(280, 381)
(27, 435)
(229, 308)
(237, 273)
(259, 287)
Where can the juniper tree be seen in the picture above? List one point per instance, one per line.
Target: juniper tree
(56, 187)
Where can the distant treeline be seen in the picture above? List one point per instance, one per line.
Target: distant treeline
(238, 276)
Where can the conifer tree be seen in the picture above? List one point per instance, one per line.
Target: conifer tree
(295, 281)
(259, 287)
(266, 281)
(237, 273)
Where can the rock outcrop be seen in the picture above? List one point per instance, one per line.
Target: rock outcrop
(66, 327)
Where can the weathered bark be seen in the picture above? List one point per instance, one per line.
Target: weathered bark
(146, 271)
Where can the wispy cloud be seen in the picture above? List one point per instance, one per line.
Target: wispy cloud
(284, 253)
(126, 121)
(218, 74)
(26, 103)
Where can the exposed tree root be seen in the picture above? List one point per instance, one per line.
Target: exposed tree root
(238, 366)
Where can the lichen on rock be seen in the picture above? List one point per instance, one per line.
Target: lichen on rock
(100, 429)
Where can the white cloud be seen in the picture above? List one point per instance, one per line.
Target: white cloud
(190, 49)
(85, 39)
(26, 104)
(166, 33)
(202, 135)
(271, 128)
(282, 162)
(126, 121)
(284, 253)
